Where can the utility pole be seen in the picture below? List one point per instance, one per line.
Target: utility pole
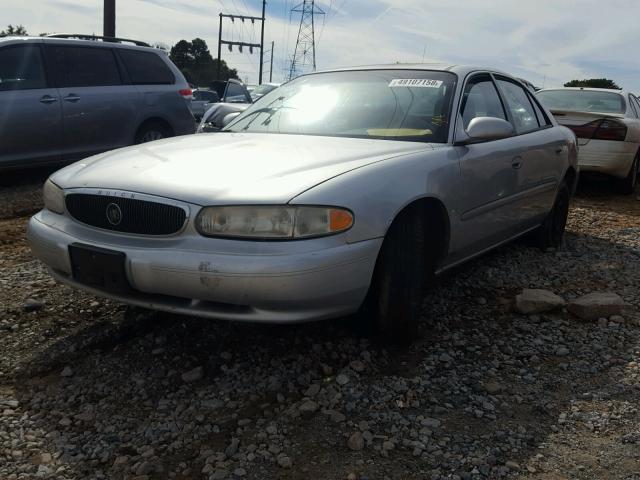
(304, 56)
(109, 18)
(241, 45)
(271, 66)
(264, 6)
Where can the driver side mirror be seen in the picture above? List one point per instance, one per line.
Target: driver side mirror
(488, 128)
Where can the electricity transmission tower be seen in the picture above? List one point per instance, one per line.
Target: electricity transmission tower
(304, 56)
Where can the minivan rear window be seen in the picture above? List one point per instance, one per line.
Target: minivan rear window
(146, 68)
(582, 101)
(86, 66)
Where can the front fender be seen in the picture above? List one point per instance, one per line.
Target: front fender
(377, 192)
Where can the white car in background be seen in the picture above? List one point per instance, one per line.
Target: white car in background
(607, 126)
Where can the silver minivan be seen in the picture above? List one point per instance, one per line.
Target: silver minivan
(65, 98)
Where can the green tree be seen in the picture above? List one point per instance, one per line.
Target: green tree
(196, 63)
(593, 83)
(11, 31)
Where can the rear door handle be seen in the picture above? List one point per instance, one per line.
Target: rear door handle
(516, 162)
(71, 98)
(48, 99)
(559, 150)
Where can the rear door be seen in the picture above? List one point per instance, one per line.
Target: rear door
(489, 181)
(540, 166)
(30, 127)
(99, 111)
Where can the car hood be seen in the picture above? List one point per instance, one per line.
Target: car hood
(224, 168)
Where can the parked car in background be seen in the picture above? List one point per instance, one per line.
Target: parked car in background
(262, 90)
(235, 98)
(202, 98)
(231, 91)
(214, 118)
(607, 125)
(340, 192)
(65, 97)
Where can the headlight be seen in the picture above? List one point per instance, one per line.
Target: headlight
(53, 197)
(272, 222)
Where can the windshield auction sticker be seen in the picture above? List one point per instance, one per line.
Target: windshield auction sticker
(415, 82)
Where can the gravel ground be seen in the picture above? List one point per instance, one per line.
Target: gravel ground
(92, 389)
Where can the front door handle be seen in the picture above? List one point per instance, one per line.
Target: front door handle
(516, 162)
(48, 99)
(71, 98)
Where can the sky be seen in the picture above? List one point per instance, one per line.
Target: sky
(548, 42)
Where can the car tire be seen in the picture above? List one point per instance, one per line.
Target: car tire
(152, 131)
(393, 303)
(628, 185)
(551, 233)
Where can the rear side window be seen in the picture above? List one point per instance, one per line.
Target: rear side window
(542, 117)
(636, 103)
(236, 93)
(632, 103)
(522, 112)
(86, 66)
(146, 68)
(481, 99)
(21, 68)
(206, 96)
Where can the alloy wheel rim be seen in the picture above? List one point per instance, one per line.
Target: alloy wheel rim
(152, 135)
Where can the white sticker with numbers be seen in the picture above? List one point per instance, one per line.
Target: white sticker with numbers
(415, 82)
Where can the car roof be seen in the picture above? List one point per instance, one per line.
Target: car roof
(461, 70)
(97, 42)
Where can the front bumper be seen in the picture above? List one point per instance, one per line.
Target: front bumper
(275, 282)
(608, 157)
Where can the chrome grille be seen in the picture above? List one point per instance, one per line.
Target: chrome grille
(128, 215)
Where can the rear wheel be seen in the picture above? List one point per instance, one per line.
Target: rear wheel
(628, 185)
(551, 232)
(392, 306)
(152, 131)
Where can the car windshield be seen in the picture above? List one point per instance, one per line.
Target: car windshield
(582, 101)
(410, 105)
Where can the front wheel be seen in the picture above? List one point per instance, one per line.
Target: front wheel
(392, 305)
(629, 183)
(551, 232)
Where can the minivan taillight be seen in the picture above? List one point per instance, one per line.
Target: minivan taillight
(186, 93)
(603, 129)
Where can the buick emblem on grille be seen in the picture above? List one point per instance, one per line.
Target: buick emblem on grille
(114, 214)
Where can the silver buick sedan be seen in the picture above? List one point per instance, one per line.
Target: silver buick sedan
(340, 192)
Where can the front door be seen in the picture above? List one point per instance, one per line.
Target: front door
(30, 112)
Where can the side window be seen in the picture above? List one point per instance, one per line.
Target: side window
(235, 93)
(542, 117)
(522, 112)
(21, 68)
(636, 102)
(481, 99)
(86, 66)
(634, 108)
(146, 68)
(207, 96)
